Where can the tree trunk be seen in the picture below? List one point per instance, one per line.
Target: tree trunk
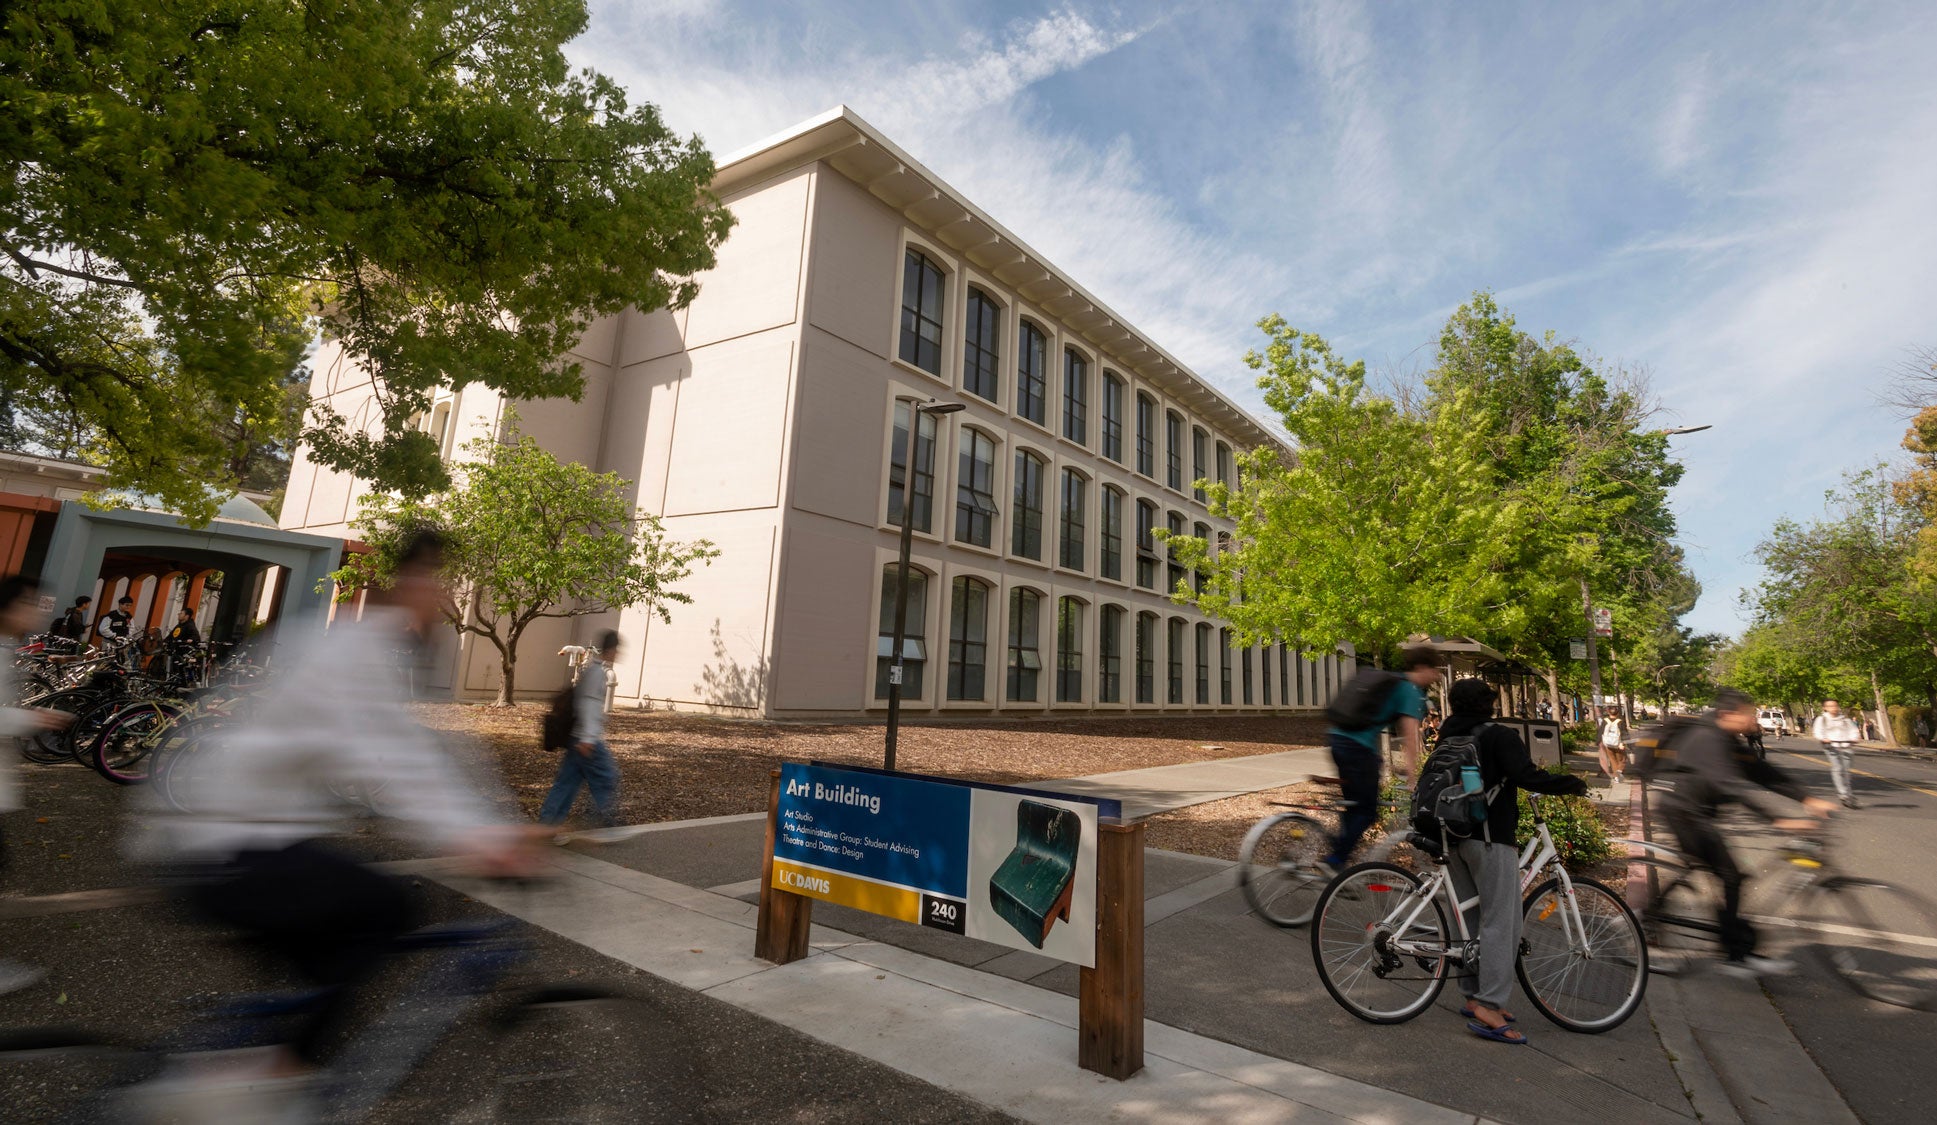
(1884, 728)
(508, 662)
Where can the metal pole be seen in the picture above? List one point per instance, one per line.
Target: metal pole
(1593, 651)
(897, 668)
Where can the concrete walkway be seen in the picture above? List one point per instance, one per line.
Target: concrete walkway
(1159, 789)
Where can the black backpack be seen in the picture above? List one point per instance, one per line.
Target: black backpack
(1651, 751)
(1440, 802)
(555, 732)
(1361, 703)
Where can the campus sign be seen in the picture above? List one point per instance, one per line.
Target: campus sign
(1009, 866)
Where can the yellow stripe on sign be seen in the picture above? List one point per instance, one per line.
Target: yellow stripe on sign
(847, 890)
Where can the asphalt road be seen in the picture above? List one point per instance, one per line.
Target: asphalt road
(1877, 1056)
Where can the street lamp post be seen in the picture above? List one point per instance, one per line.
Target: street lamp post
(1661, 686)
(897, 669)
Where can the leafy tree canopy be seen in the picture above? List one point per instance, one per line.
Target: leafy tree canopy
(530, 537)
(193, 191)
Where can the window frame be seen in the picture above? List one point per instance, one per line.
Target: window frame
(999, 311)
(1109, 654)
(889, 519)
(1076, 396)
(1146, 448)
(1144, 658)
(1064, 475)
(966, 439)
(1225, 668)
(1019, 513)
(1226, 464)
(1025, 325)
(884, 632)
(1064, 674)
(910, 250)
(958, 646)
(1015, 653)
(1201, 681)
(1174, 571)
(1173, 451)
(1108, 531)
(1175, 629)
(1109, 429)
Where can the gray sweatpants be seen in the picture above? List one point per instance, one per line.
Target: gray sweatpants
(1839, 754)
(1493, 872)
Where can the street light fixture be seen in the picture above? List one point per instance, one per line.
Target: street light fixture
(1661, 686)
(1673, 430)
(896, 669)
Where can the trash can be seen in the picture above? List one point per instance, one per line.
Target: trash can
(1543, 740)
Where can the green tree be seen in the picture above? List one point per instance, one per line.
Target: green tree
(194, 191)
(531, 537)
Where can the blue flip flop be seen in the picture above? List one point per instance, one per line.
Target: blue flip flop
(1467, 1013)
(1497, 1034)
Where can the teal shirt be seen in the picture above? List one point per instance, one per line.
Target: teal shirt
(1406, 700)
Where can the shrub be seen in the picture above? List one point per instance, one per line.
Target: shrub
(1576, 826)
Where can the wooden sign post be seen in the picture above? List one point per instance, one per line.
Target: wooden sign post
(785, 918)
(1110, 997)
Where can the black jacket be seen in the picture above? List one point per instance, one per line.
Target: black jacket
(1504, 761)
(1715, 768)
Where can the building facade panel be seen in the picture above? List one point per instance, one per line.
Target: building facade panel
(759, 264)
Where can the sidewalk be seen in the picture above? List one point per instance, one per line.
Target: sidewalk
(1159, 789)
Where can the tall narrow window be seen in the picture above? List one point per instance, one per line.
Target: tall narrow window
(921, 312)
(1109, 655)
(1174, 523)
(1203, 663)
(1025, 654)
(968, 638)
(1284, 677)
(1110, 563)
(1197, 575)
(1174, 659)
(1076, 397)
(1069, 541)
(1112, 417)
(1174, 450)
(1146, 658)
(975, 509)
(1146, 435)
(982, 347)
(1069, 650)
(1264, 673)
(922, 515)
(1032, 375)
(1199, 454)
(914, 638)
(1025, 519)
(1146, 545)
(1224, 464)
(1224, 666)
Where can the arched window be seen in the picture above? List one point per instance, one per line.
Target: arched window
(1032, 375)
(1285, 697)
(1025, 649)
(914, 644)
(982, 347)
(1110, 562)
(1224, 464)
(975, 509)
(1147, 561)
(1264, 673)
(1109, 655)
(924, 482)
(1199, 454)
(1069, 540)
(1203, 664)
(921, 312)
(968, 638)
(1174, 450)
(1201, 531)
(1224, 666)
(1174, 523)
(1146, 435)
(1174, 652)
(1146, 658)
(1112, 417)
(1025, 518)
(1076, 397)
(1069, 650)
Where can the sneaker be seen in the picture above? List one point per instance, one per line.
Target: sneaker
(16, 975)
(1851, 803)
(1753, 967)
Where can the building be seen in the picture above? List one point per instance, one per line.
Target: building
(772, 417)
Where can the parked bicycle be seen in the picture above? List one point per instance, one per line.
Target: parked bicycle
(1280, 868)
(1385, 940)
(1878, 938)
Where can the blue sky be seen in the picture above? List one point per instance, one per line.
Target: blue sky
(1735, 199)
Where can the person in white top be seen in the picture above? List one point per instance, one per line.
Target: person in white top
(335, 721)
(1614, 753)
(588, 762)
(19, 614)
(1837, 732)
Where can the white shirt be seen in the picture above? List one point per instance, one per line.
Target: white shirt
(335, 721)
(1835, 728)
(14, 722)
(588, 701)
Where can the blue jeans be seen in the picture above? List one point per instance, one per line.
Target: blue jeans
(596, 771)
(1358, 775)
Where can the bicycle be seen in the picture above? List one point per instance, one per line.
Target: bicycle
(1279, 868)
(1383, 943)
(1878, 938)
(551, 1051)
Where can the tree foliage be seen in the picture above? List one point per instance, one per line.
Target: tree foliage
(530, 537)
(193, 191)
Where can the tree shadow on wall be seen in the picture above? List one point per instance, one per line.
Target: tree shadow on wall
(727, 682)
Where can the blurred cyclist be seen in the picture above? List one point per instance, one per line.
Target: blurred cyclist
(19, 613)
(333, 722)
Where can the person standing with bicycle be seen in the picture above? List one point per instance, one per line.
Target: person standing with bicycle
(1713, 767)
(1355, 747)
(1837, 733)
(1489, 866)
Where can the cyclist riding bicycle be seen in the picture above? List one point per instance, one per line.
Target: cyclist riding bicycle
(334, 722)
(1715, 767)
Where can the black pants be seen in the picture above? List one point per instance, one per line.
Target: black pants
(331, 918)
(1358, 775)
(1702, 844)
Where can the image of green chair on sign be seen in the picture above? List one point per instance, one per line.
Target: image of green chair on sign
(1032, 888)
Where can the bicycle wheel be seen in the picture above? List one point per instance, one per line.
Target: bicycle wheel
(49, 747)
(1585, 966)
(124, 750)
(183, 759)
(79, 737)
(1373, 970)
(1879, 938)
(1278, 868)
(1680, 923)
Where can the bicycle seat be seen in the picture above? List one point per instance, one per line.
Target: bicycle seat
(1424, 843)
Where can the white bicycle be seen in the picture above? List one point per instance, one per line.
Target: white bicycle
(1385, 939)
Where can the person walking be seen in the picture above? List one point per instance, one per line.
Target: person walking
(588, 761)
(73, 624)
(1356, 752)
(19, 610)
(1614, 752)
(1922, 731)
(1837, 732)
(1489, 866)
